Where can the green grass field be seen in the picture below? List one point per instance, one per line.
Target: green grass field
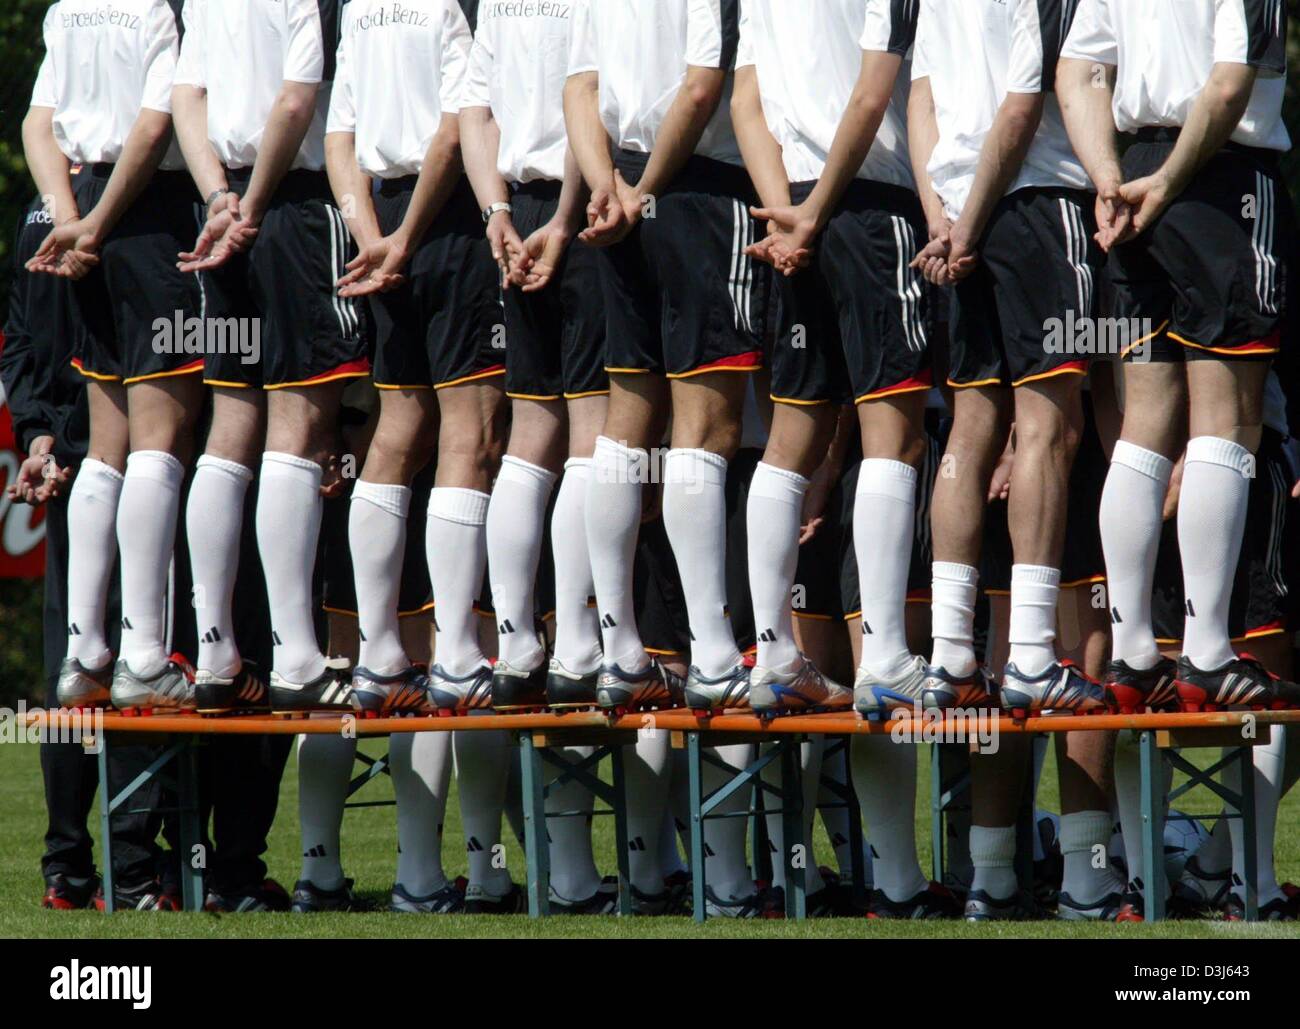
(369, 853)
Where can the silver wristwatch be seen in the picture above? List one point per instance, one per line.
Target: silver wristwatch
(496, 208)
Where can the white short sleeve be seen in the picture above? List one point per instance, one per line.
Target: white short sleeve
(583, 54)
(343, 103)
(457, 39)
(191, 67)
(304, 49)
(161, 50)
(712, 33)
(478, 76)
(43, 92)
(1092, 36)
(1025, 72)
(1251, 32)
(745, 46)
(925, 41)
(889, 27)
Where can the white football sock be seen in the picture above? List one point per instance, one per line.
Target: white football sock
(420, 763)
(613, 521)
(1269, 761)
(1085, 836)
(456, 545)
(214, 519)
(695, 516)
(92, 550)
(726, 862)
(516, 523)
(377, 538)
(810, 765)
(884, 776)
(835, 820)
(993, 855)
(646, 777)
(772, 517)
(884, 516)
(1131, 515)
(952, 611)
(1034, 593)
(1128, 797)
(288, 528)
(573, 866)
(146, 535)
(577, 628)
(324, 771)
(482, 770)
(670, 855)
(1216, 482)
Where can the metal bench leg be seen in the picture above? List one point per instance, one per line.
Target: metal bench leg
(187, 780)
(1246, 759)
(536, 848)
(105, 823)
(620, 833)
(696, 790)
(1153, 828)
(792, 829)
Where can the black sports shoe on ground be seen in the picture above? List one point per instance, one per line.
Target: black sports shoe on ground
(329, 691)
(514, 689)
(603, 902)
(1241, 682)
(244, 692)
(268, 895)
(1279, 909)
(477, 902)
(1130, 691)
(64, 895)
(447, 901)
(308, 898)
(150, 896)
(935, 901)
(980, 907)
(566, 689)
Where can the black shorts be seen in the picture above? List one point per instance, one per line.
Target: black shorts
(1209, 279)
(136, 302)
(1259, 602)
(681, 297)
(826, 582)
(555, 337)
(854, 326)
(1036, 277)
(444, 326)
(1082, 561)
(282, 295)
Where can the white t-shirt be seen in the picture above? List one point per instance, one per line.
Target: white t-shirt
(400, 69)
(1164, 51)
(104, 63)
(517, 68)
(1021, 42)
(784, 40)
(641, 50)
(243, 52)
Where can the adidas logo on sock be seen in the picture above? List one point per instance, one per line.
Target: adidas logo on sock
(126, 624)
(362, 635)
(275, 639)
(472, 845)
(73, 630)
(213, 635)
(1115, 619)
(608, 622)
(636, 843)
(866, 628)
(505, 628)
(708, 851)
(1191, 611)
(317, 851)
(767, 636)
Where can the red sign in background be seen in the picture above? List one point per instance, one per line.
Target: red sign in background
(22, 528)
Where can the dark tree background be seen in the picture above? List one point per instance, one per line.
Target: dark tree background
(20, 54)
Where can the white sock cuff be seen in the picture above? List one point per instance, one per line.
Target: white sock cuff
(992, 847)
(1084, 830)
(881, 477)
(773, 483)
(1223, 452)
(289, 466)
(220, 465)
(530, 476)
(614, 463)
(695, 467)
(579, 466)
(454, 504)
(957, 574)
(157, 465)
(1035, 575)
(396, 500)
(109, 477)
(1147, 462)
